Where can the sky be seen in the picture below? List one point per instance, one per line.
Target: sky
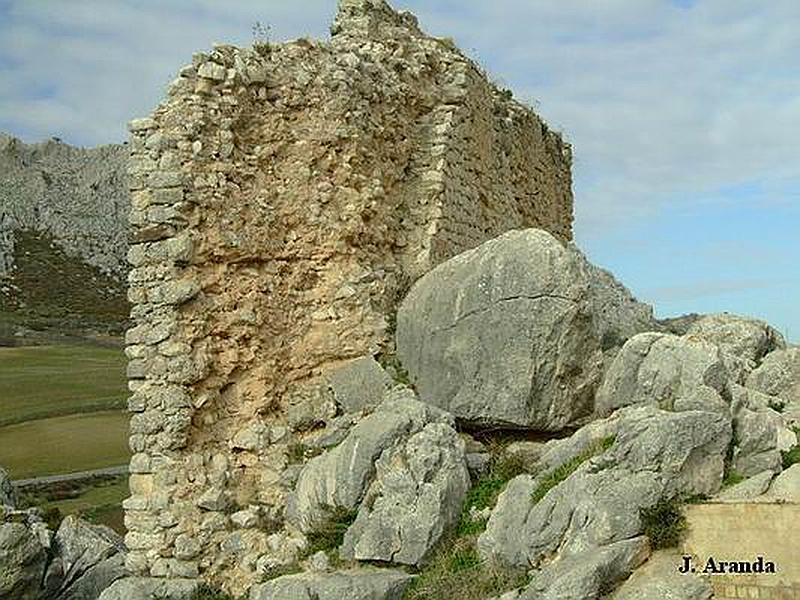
(684, 115)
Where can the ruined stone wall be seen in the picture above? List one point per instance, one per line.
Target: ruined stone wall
(283, 198)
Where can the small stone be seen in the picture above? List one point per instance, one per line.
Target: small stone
(141, 124)
(215, 499)
(319, 562)
(212, 70)
(245, 519)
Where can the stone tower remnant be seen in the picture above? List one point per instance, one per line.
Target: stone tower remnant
(283, 198)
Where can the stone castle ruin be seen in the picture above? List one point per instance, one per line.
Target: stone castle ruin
(352, 259)
(283, 198)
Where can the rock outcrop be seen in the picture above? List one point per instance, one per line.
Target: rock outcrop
(513, 332)
(743, 341)
(362, 584)
(660, 579)
(87, 559)
(63, 237)
(779, 376)
(78, 196)
(339, 478)
(584, 534)
(674, 373)
(78, 562)
(24, 546)
(415, 499)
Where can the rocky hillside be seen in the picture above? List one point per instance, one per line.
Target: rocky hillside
(540, 446)
(63, 237)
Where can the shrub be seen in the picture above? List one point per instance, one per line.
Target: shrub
(297, 452)
(664, 523)
(456, 571)
(732, 477)
(203, 592)
(777, 405)
(329, 535)
(791, 457)
(261, 38)
(486, 490)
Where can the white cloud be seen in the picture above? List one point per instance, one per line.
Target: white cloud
(657, 100)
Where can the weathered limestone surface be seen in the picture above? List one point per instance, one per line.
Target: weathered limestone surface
(76, 563)
(282, 199)
(88, 559)
(743, 341)
(416, 497)
(339, 478)
(585, 533)
(779, 376)
(147, 588)
(23, 559)
(674, 373)
(361, 584)
(514, 332)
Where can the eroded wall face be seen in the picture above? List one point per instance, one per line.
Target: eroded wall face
(283, 198)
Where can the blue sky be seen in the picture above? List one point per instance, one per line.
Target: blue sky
(684, 115)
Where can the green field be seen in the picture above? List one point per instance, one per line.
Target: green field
(62, 411)
(45, 381)
(99, 501)
(65, 444)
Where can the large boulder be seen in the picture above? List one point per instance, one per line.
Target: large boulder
(671, 372)
(88, 558)
(785, 487)
(356, 584)
(148, 588)
(779, 376)
(340, 477)
(415, 498)
(7, 495)
(589, 513)
(24, 551)
(587, 575)
(513, 332)
(744, 341)
(758, 433)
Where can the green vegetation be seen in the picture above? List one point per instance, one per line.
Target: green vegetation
(54, 291)
(486, 490)
(47, 381)
(664, 523)
(792, 455)
(203, 592)
(560, 473)
(777, 405)
(732, 477)
(297, 452)
(262, 38)
(329, 535)
(65, 444)
(456, 571)
(98, 501)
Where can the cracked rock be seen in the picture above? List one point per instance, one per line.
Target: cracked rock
(515, 332)
(415, 498)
